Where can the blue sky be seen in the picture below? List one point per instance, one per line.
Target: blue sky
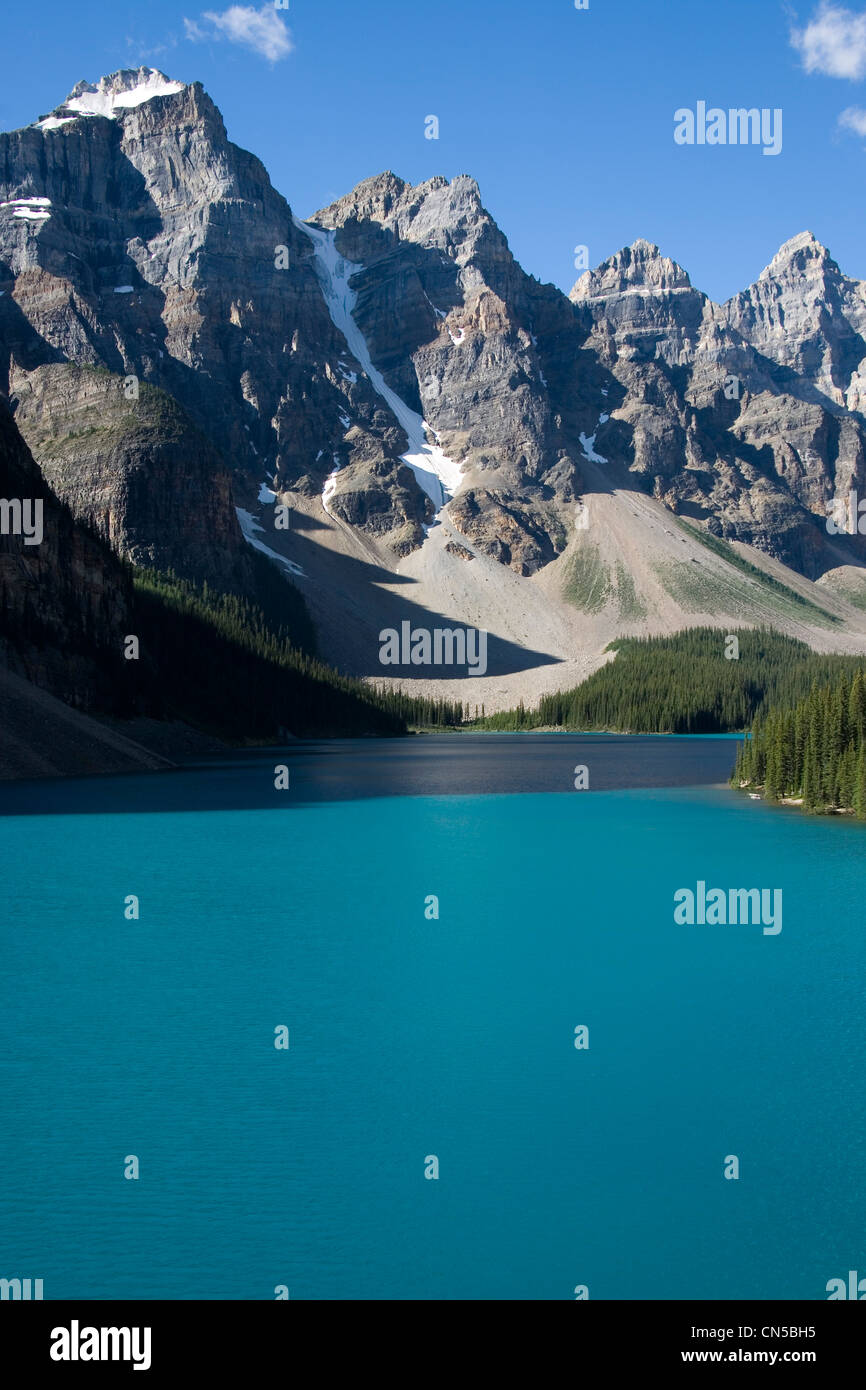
(564, 117)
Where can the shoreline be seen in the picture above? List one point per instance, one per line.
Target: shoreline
(756, 792)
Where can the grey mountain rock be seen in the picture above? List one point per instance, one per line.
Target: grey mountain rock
(735, 414)
(135, 238)
(484, 353)
(160, 249)
(65, 601)
(136, 470)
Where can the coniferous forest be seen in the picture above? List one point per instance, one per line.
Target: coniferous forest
(230, 667)
(685, 684)
(813, 753)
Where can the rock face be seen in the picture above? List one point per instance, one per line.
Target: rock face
(63, 601)
(486, 355)
(390, 357)
(140, 240)
(807, 317)
(743, 415)
(134, 468)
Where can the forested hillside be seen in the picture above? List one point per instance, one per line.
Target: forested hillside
(684, 684)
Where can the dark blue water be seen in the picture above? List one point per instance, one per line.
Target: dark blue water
(413, 1037)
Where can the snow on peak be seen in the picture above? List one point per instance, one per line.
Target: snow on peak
(112, 95)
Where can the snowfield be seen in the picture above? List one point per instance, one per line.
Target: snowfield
(97, 101)
(587, 442)
(330, 488)
(101, 101)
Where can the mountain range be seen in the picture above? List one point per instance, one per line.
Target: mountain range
(411, 426)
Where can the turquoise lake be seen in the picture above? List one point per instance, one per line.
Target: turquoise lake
(412, 1037)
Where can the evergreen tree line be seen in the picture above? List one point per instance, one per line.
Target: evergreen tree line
(683, 684)
(815, 751)
(421, 713)
(214, 660)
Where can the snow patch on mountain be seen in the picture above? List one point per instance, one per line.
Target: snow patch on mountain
(330, 487)
(112, 95)
(249, 526)
(438, 475)
(31, 209)
(587, 443)
(440, 313)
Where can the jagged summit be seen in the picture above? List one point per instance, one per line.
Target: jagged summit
(800, 249)
(372, 197)
(640, 266)
(640, 247)
(799, 242)
(386, 195)
(112, 95)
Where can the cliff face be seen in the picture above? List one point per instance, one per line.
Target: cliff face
(136, 470)
(64, 600)
(483, 353)
(808, 318)
(140, 240)
(744, 415)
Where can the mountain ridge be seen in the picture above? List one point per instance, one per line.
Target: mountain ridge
(135, 238)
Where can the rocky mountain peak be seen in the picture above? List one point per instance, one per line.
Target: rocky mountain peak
(802, 253)
(390, 340)
(113, 96)
(372, 199)
(433, 211)
(640, 266)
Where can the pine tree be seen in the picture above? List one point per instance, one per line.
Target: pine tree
(857, 708)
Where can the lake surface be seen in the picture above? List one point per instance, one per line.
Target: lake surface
(412, 1037)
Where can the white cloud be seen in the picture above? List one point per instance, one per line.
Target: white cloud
(144, 53)
(854, 118)
(833, 42)
(194, 31)
(261, 30)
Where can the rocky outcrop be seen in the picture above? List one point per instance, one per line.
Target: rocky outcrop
(725, 414)
(140, 240)
(808, 319)
(64, 599)
(485, 354)
(128, 461)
